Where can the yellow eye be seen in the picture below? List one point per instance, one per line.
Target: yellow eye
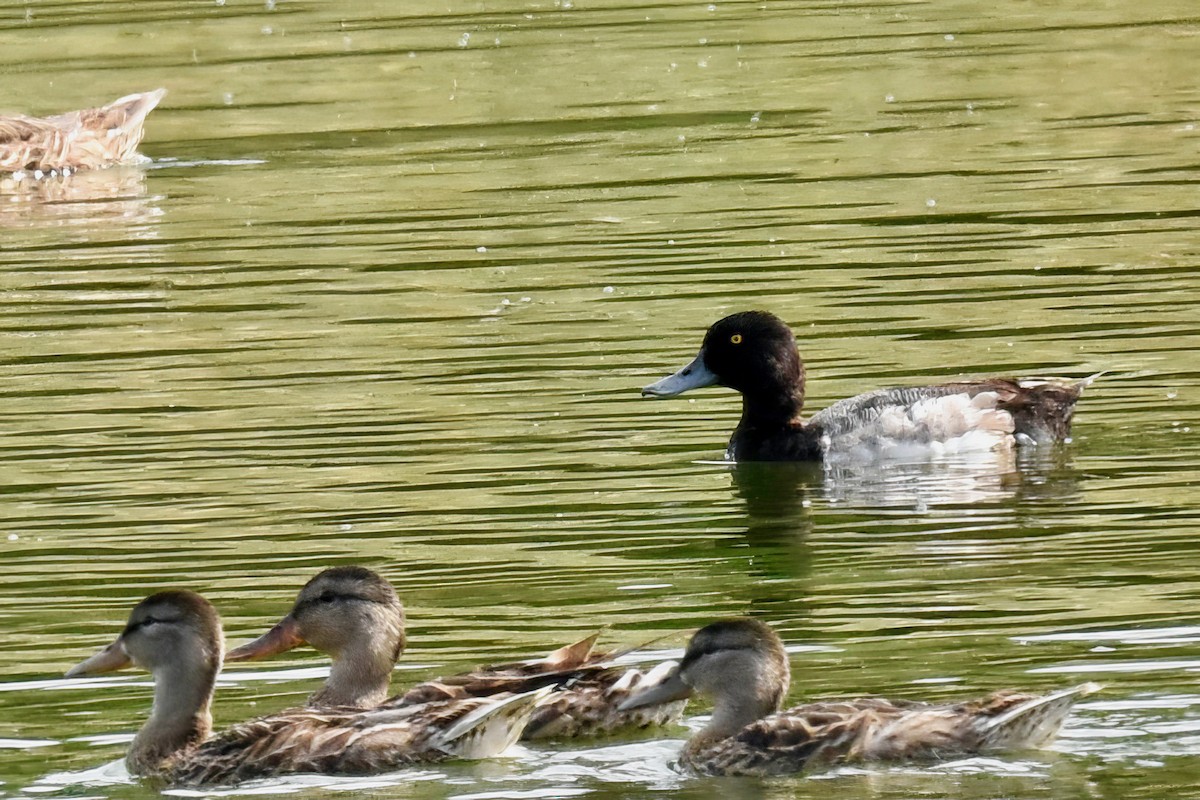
(736, 338)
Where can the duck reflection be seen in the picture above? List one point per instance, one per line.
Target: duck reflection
(777, 496)
(113, 197)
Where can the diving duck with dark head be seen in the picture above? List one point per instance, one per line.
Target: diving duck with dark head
(754, 353)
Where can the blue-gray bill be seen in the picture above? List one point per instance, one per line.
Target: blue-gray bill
(694, 376)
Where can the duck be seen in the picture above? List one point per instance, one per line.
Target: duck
(176, 635)
(93, 138)
(741, 665)
(754, 353)
(354, 615)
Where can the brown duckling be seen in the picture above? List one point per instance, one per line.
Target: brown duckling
(89, 139)
(176, 636)
(754, 353)
(742, 666)
(353, 614)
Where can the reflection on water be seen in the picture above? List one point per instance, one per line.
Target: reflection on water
(113, 200)
(388, 291)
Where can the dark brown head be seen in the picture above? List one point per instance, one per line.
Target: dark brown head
(753, 352)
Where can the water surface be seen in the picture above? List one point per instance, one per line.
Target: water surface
(387, 291)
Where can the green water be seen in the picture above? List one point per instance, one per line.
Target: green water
(388, 289)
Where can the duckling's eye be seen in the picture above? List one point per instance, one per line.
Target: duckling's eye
(327, 597)
(736, 338)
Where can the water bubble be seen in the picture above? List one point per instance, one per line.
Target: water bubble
(607, 290)
(464, 40)
(949, 37)
(930, 203)
(756, 116)
(481, 249)
(889, 98)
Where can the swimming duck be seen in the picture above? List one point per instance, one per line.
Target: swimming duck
(754, 352)
(176, 636)
(353, 614)
(89, 139)
(742, 665)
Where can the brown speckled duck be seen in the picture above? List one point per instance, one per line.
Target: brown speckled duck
(742, 666)
(353, 614)
(88, 139)
(754, 352)
(176, 636)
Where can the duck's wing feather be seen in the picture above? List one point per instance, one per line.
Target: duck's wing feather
(949, 417)
(354, 742)
(586, 705)
(590, 706)
(28, 143)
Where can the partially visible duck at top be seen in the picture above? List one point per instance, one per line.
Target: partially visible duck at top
(354, 615)
(89, 139)
(754, 352)
(742, 666)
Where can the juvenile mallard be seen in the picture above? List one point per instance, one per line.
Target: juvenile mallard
(754, 352)
(742, 666)
(89, 139)
(176, 636)
(353, 614)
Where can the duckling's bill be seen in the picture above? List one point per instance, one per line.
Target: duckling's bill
(695, 375)
(283, 637)
(671, 688)
(109, 659)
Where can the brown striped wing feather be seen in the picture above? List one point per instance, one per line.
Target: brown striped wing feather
(336, 742)
(585, 706)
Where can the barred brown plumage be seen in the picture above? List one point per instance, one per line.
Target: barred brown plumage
(742, 665)
(89, 139)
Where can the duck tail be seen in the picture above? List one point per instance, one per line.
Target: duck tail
(1080, 385)
(1035, 722)
(571, 655)
(131, 110)
(493, 727)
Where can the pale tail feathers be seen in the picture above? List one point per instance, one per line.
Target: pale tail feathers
(571, 655)
(493, 728)
(1079, 385)
(1034, 723)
